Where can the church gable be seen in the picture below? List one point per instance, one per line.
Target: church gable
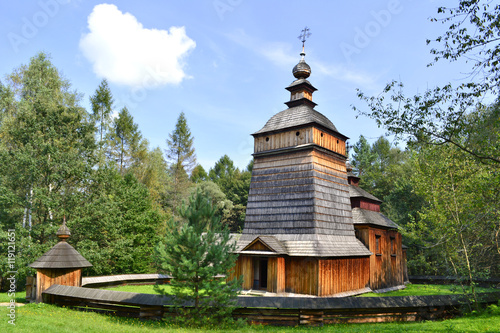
(265, 244)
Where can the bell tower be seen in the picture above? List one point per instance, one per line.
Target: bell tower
(299, 192)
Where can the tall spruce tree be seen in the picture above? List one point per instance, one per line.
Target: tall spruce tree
(182, 159)
(102, 104)
(195, 252)
(125, 140)
(180, 151)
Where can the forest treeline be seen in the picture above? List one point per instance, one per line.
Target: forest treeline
(117, 193)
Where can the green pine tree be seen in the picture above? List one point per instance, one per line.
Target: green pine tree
(198, 250)
(182, 159)
(180, 150)
(199, 174)
(102, 104)
(126, 141)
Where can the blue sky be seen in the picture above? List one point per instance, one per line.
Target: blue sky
(225, 63)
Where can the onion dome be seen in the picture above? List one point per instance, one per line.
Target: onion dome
(63, 233)
(302, 70)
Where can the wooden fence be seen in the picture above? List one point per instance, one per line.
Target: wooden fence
(429, 279)
(124, 279)
(272, 310)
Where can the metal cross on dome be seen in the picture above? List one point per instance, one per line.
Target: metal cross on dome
(304, 34)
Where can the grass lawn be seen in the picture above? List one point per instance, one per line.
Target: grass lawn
(428, 289)
(50, 318)
(20, 297)
(143, 289)
(410, 290)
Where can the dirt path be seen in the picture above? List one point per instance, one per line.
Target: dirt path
(7, 304)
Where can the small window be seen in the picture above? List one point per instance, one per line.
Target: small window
(321, 134)
(393, 246)
(378, 249)
(267, 139)
(297, 134)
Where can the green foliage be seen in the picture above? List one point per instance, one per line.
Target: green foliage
(47, 152)
(384, 171)
(235, 184)
(151, 170)
(195, 252)
(363, 157)
(217, 198)
(440, 115)
(47, 148)
(473, 35)
(117, 226)
(199, 174)
(458, 226)
(51, 167)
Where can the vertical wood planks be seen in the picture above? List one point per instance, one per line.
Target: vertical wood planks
(48, 277)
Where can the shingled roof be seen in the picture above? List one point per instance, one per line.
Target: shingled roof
(364, 216)
(296, 116)
(308, 245)
(62, 255)
(358, 192)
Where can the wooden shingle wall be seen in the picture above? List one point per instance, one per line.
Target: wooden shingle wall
(304, 192)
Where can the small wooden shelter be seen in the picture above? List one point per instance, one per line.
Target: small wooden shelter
(62, 264)
(299, 234)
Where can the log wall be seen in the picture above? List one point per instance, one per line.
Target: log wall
(244, 266)
(386, 263)
(298, 137)
(48, 277)
(276, 274)
(365, 204)
(301, 275)
(342, 274)
(328, 141)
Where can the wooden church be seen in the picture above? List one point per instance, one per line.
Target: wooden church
(309, 228)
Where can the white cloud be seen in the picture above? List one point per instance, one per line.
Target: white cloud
(342, 73)
(123, 51)
(278, 53)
